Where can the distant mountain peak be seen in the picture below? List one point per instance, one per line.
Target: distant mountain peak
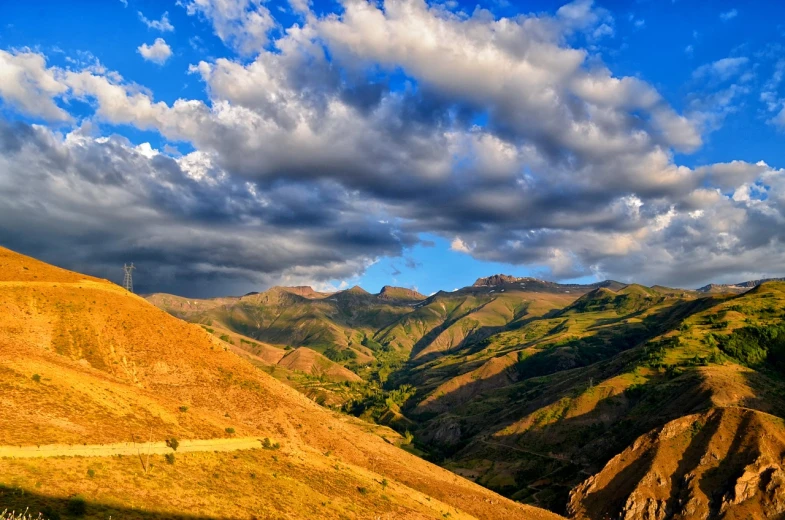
(356, 290)
(497, 279)
(736, 287)
(390, 292)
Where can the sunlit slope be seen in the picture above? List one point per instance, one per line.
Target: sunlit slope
(726, 463)
(448, 321)
(637, 362)
(580, 332)
(83, 361)
(298, 316)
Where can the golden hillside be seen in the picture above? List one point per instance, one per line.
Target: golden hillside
(83, 361)
(726, 463)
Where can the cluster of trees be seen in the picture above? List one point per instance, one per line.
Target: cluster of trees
(757, 345)
(340, 356)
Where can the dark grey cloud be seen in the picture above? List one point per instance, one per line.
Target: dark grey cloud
(309, 165)
(93, 204)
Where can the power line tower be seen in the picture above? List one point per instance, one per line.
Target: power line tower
(128, 280)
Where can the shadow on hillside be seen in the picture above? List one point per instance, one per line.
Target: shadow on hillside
(768, 388)
(53, 508)
(572, 354)
(727, 468)
(556, 456)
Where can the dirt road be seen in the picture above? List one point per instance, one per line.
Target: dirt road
(127, 448)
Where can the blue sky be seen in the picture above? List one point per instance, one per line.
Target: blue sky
(692, 88)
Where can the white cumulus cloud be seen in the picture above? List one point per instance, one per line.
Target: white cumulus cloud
(158, 52)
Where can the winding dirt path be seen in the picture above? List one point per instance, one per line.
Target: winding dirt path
(127, 448)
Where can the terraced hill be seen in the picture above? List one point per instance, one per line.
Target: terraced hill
(82, 361)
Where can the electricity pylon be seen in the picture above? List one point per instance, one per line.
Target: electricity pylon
(128, 280)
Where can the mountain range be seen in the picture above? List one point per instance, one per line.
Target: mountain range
(606, 400)
(511, 398)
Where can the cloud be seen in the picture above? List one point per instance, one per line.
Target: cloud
(721, 70)
(459, 245)
(28, 85)
(729, 15)
(311, 161)
(158, 52)
(242, 25)
(122, 202)
(124, 2)
(162, 25)
(301, 6)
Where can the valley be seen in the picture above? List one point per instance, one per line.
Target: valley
(580, 401)
(535, 389)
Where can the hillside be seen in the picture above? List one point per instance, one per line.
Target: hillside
(544, 413)
(736, 288)
(725, 462)
(533, 388)
(85, 362)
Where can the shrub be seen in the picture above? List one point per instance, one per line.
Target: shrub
(267, 445)
(36, 378)
(230, 431)
(76, 506)
(91, 473)
(183, 408)
(173, 443)
(169, 458)
(362, 490)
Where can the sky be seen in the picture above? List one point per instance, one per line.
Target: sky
(226, 146)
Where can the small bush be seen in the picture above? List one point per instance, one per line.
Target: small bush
(91, 473)
(169, 458)
(267, 445)
(230, 431)
(76, 506)
(36, 378)
(173, 443)
(362, 490)
(183, 408)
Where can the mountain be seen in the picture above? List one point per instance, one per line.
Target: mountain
(399, 293)
(736, 288)
(682, 470)
(579, 398)
(534, 411)
(89, 368)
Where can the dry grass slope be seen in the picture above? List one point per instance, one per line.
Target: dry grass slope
(83, 361)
